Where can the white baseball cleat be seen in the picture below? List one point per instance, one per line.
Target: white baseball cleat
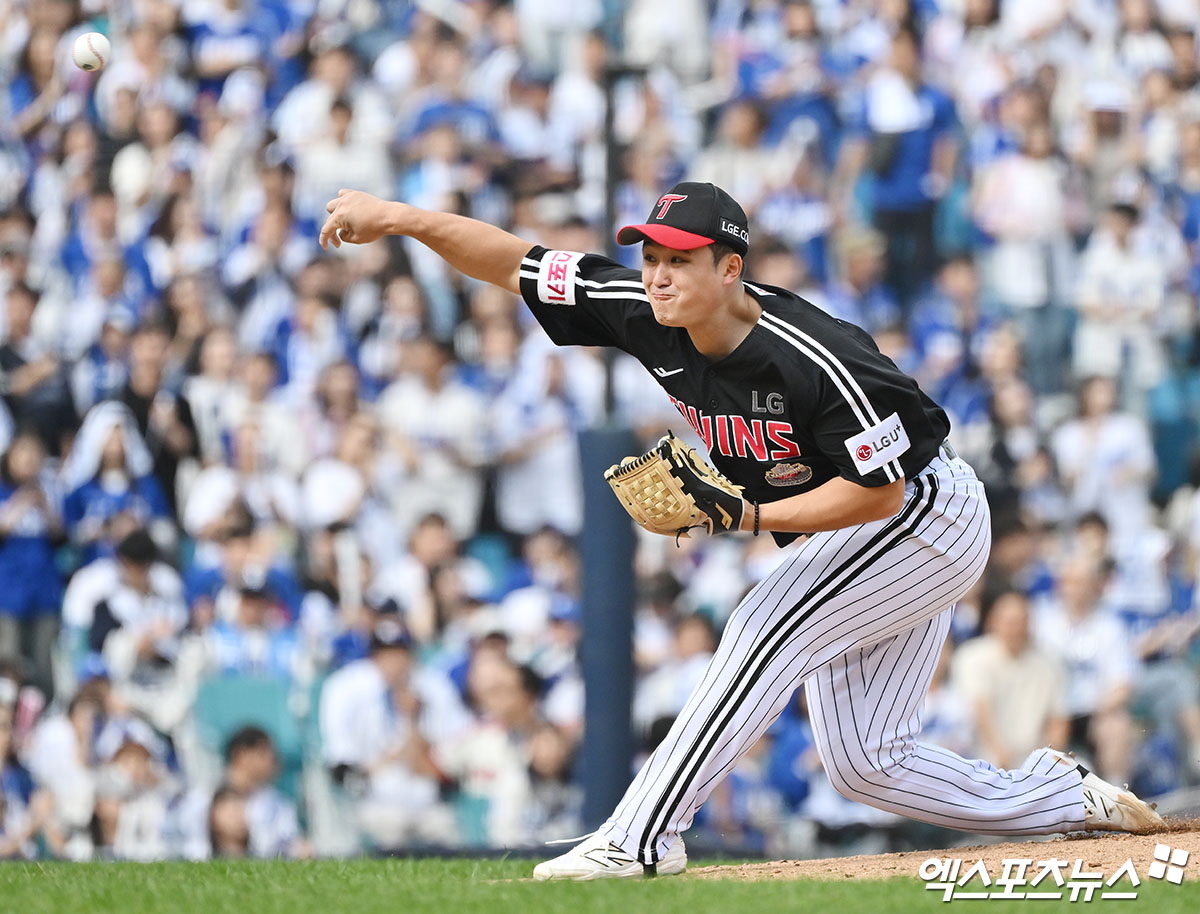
(1107, 807)
(595, 857)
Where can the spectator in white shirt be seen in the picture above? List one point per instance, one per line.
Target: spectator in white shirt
(272, 825)
(534, 424)
(374, 723)
(130, 609)
(437, 426)
(61, 759)
(491, 761)
(1019, 201)
(326, 162)
(1141, 46)
(209, 391)
(1119, 296)
(662, 694)
(1015, 689)
(133, 793)
(1089, 640)
(1106, 461)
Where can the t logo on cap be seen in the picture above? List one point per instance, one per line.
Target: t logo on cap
(705, 215)
(665, 201)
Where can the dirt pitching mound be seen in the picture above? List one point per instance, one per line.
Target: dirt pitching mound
(1098, 852)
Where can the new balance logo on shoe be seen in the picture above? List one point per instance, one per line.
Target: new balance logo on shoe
(613, 856)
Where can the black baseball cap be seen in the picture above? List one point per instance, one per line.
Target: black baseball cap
(692, 215)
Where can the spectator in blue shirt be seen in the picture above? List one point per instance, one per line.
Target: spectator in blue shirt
(858, 293)
(214, 576)
(793, 757)
(21, 807)
(94, 239)
(907, 142)
(101, 372)
(38, 95)
(227, 36)
(257, 641)
(30, 583)
(448, 103)
(109, 480)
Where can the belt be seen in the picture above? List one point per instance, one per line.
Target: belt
(947, 451)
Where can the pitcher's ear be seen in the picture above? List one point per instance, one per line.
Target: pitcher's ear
(732, 267)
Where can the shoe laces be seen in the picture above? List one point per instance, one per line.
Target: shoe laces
(560, 841)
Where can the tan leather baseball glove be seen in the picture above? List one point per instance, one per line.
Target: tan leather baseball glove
(670, 489)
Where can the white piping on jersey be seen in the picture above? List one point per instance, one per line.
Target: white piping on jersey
(627, 283)
(841, 377)
(833, 359)
(642, 296)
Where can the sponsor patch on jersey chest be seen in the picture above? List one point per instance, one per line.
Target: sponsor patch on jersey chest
(788, 474)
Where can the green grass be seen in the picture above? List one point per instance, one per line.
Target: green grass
(460, 887)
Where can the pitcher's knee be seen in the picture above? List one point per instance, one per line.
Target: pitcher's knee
(866, 777)
(852, 784)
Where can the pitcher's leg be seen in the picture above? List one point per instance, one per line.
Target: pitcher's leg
(866, 715)
(746, 678)
(839, 590)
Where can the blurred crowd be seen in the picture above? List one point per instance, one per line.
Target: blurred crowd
(287, 556)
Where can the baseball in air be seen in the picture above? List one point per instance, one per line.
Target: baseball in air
(91, 51)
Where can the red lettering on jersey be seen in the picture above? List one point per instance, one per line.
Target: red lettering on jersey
(665, 202)
(556, 276)
(742, 436)
(678, 404)
(776, 432)
(723, 435)
(702, 424)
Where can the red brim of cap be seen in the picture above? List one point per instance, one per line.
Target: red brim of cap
(668, 237)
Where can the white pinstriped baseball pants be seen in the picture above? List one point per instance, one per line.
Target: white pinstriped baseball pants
(859, 616)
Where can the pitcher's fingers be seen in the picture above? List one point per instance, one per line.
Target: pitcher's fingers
(331, 205)
(329, 233)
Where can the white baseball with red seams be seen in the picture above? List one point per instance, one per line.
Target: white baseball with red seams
(91, 51)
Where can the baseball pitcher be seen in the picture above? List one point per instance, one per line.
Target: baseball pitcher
(810, 429)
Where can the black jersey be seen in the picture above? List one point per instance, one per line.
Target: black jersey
(803, 398)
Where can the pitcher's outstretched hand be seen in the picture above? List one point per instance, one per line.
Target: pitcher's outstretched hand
(356, 217)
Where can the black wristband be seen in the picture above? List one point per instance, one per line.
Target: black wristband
(755, 517)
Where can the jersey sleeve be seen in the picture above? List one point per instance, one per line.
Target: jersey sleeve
(857, 411)
(582, 299)
(864, 445)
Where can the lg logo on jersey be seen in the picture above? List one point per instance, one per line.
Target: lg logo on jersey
(880, 444)
(773, 405)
